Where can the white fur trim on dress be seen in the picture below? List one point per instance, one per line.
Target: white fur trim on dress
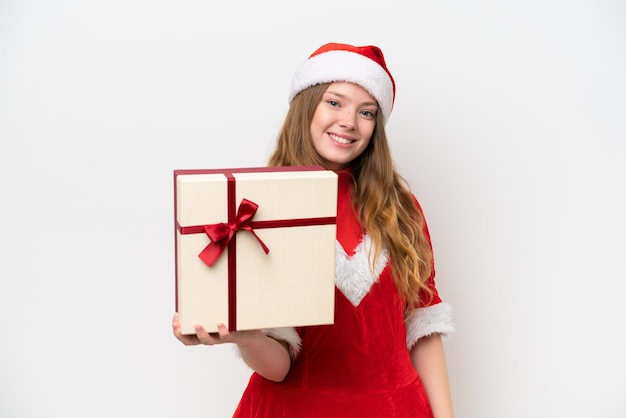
(354, 275)
(434, 319)
(286, 334)
(345, 66)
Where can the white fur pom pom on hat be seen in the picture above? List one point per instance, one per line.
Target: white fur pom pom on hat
(362, 65)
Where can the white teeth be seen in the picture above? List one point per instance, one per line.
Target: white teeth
(340, 140)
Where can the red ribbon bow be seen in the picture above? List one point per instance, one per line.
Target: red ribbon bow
(222, 233)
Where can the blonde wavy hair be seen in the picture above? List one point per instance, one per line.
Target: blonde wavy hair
(386, 206)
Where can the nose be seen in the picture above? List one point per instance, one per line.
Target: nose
(348, 120)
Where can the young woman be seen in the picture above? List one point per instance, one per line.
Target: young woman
(383, 356)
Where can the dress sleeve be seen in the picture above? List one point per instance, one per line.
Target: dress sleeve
(432, 315)
(288, 335)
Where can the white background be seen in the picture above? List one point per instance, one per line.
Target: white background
(509, 124)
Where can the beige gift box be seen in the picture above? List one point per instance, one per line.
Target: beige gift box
(289, 212)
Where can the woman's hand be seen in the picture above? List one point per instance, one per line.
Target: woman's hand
(267, 356)
(222, 335)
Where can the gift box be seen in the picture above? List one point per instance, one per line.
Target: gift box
(255, 247)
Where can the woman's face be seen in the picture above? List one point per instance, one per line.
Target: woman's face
(343, 124)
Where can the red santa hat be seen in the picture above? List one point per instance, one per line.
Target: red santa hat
(362, 65)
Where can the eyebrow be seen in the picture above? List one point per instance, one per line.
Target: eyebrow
(343, 96)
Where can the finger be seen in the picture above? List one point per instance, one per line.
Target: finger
(176, 326)
(223, 333)
(185, 339)
(206, 338)
(189, 339)
(175, 322)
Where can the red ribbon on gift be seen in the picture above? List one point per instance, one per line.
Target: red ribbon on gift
(222, 233)
(222, 236)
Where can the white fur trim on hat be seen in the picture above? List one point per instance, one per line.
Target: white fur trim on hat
(341, 65)
(434, 319)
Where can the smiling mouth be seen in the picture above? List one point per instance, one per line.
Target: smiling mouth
(340, 139)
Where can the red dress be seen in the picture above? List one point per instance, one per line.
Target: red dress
(359, 366)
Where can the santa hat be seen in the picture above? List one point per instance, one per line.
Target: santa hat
(362, 65)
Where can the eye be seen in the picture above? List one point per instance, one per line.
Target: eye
(368, 114)
(332, 102)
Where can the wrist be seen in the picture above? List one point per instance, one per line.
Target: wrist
(250, 339)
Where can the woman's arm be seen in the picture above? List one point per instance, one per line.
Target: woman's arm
(428, 358)
(263, 354)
